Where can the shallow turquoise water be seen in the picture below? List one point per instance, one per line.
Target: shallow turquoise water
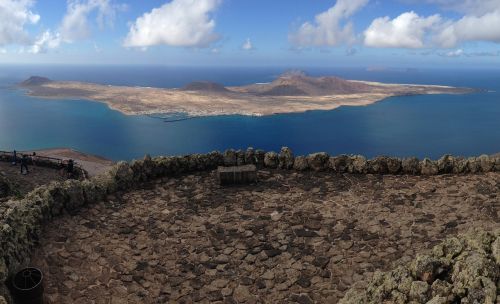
(420, 126)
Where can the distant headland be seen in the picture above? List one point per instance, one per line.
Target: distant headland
(291, 92)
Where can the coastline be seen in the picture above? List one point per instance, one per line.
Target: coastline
(235, 101)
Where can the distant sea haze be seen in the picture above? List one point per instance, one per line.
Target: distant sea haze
(422, 126)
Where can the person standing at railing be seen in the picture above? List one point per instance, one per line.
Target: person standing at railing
(24, 164)
(70, 168)
(33, 158)
(14, 158)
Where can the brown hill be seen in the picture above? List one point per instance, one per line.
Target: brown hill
(35, 81)
(205, 86)
(299, 84)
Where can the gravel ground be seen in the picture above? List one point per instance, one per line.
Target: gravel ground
(25, 183)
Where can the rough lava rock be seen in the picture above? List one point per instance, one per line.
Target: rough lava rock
(230, 158)
(428, 167)
(464, 269)
(339, 164)
(271, 160)
(446, 164)
(286, 158)
(318, 161)
(300, 163)
(411, 166)
(359, 164)
(250, 156)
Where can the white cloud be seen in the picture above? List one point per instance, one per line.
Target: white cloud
(45, 41)
(247, 46)
(480, 22)
(462, 53)
(76, 25)
(477, 7)
(455, 53)
(186, 23)
(327, 28)
(408, 30)
(471, 28)
(14, 16)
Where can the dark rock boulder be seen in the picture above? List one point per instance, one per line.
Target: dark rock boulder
(394, 165)
(446, 164)
(271, 160)
(286, 158)
(486, 163)
(260, 155)
(318, 161)
(461, 165)
(300, 163)
(240, 158)
(428, 167)
(250, 156)
(411, 166)
(378, 165)
(340, 164)
(230, 158)
(357, 165)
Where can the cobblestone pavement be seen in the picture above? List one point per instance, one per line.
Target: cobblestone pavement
(293, 237)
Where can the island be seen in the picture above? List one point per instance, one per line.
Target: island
(291, 92)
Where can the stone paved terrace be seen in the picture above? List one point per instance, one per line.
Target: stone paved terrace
(293, 237)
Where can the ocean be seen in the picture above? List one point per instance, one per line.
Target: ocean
(422, 126)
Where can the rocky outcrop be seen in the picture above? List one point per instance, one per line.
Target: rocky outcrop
(463, 269)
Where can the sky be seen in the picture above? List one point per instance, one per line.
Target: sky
(351, 33)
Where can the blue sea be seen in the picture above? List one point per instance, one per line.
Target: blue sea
(422, 126)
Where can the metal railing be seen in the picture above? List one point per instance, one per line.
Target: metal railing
(35, 160)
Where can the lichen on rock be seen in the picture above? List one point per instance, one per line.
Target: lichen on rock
(271, 160)
(462, 269)
(318, 161)
(286, 158)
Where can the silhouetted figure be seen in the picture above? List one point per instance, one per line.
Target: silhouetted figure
(14, 158)
(70, 168)
(24, 164)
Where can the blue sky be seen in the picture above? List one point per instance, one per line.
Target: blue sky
(359, 33)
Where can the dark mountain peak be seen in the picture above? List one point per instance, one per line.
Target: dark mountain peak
(298, 83)
(205, 86)
(293, 74)
(35, 81)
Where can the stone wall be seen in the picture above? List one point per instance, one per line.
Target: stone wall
(21, 221)
(463, 269)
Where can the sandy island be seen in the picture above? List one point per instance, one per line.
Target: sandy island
(290, 93)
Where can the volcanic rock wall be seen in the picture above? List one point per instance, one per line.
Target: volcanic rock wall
(463, 269)
(21, 221)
